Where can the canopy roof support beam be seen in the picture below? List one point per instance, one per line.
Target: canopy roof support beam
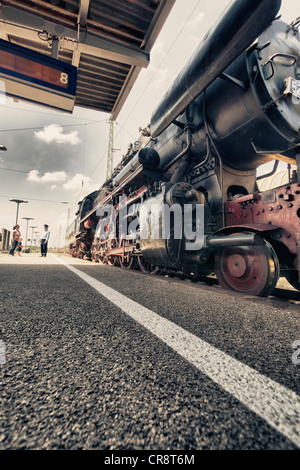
(86, 42)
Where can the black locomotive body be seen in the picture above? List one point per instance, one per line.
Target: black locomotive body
(235, 106)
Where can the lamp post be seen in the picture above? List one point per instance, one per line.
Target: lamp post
(27, 219)
(18, 201)
(35, 236)
(32, 227)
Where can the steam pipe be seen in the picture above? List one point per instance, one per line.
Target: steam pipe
(242, 22)
(181, 170)
(240, 239)
(185, 153)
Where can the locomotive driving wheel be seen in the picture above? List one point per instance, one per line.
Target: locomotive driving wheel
(146, 267)
(126, 261)
(101, 255)
(252, 270)
(95, 257)
(111, 260)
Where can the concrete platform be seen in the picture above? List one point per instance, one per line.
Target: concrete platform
(52, 259)
(35, 258)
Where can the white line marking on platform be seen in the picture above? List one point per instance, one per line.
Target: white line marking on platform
(276, 404)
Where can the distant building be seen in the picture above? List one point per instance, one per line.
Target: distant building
(4, 239)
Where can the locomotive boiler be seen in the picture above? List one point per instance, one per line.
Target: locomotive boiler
(235, 106)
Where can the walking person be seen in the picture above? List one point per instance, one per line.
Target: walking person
(44, 241)
(19, 249)
(16, 236)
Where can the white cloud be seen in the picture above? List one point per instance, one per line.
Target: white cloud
(196, 29)
(78, 181)
(161, 77)
(54, 133)
(158, 51)
(199, 17)
(54, 177)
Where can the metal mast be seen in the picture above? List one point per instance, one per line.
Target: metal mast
(110, 151)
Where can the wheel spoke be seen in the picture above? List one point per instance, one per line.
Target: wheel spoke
(126, 262)
(112, 260)
(146, 267)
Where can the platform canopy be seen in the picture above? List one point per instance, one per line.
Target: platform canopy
(109, 41)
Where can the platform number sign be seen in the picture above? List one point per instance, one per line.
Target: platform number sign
(37, 77)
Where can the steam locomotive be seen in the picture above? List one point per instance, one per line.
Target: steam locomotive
(234, 107)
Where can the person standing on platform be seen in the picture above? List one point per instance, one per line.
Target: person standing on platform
(44, 241)
(19, 249)
(16, 236)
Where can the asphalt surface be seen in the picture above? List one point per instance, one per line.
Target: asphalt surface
(80, 373)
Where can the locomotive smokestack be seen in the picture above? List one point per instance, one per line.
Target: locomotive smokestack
(242, 22)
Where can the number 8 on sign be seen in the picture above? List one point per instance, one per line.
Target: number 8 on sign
(64, 78)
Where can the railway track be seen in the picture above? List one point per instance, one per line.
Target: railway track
(284, 294)
(280, 293)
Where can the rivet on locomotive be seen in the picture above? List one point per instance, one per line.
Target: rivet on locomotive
(234, 107)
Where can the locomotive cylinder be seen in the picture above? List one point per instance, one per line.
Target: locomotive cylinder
(238, 27)
(250, 113)
(248, 108)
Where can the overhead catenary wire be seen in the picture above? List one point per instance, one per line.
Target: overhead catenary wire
(17, 171)
(105, 153)
(94, 122)
(39, 200)
(163, 59)
(47, 125)
(150, 81)
(58, 115)
(42, 127)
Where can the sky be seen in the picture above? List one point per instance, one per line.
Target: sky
(54, 159)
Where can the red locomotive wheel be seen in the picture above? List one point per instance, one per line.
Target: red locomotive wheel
(126, 262)
(146, 267)
(102, 257)
(95, 257)
(112, 260)
(252, 270)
